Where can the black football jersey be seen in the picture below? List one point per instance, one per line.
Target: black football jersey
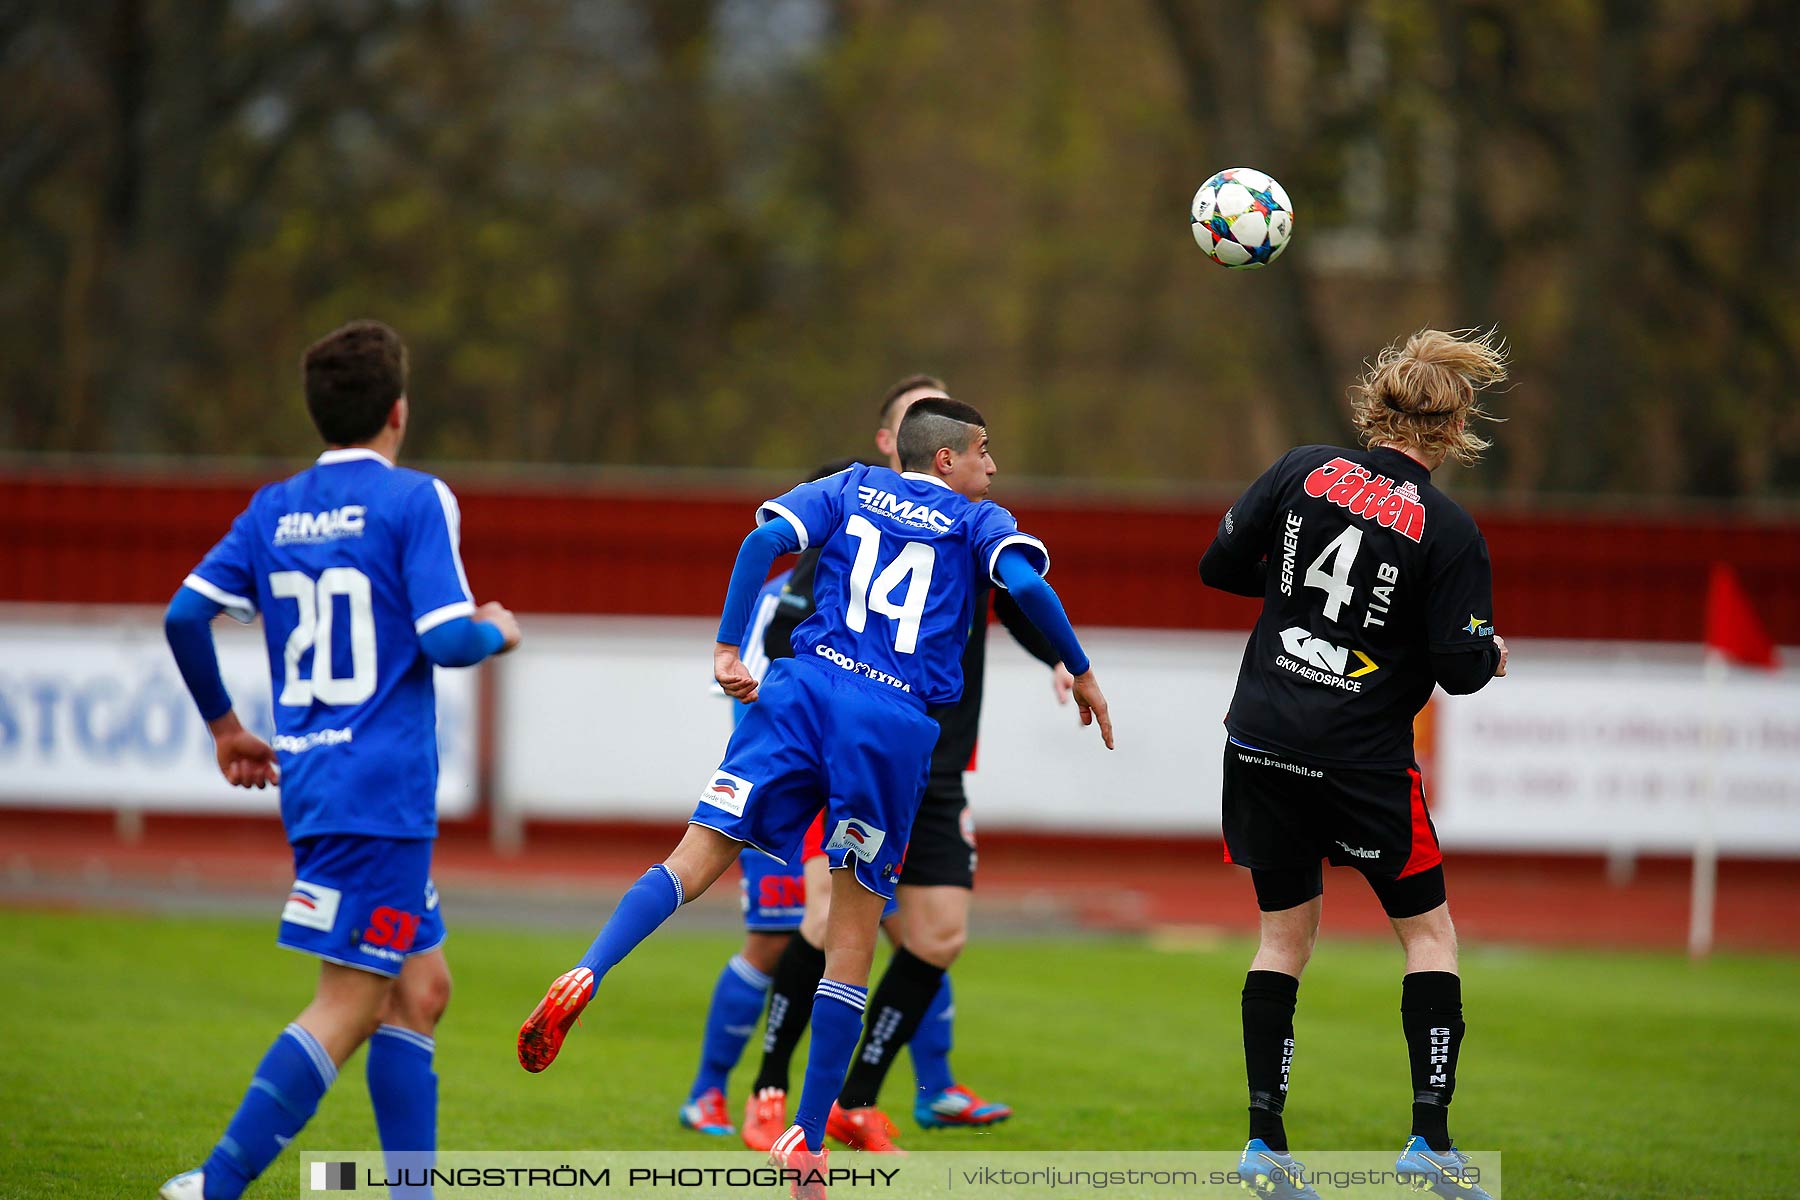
(1366, 572)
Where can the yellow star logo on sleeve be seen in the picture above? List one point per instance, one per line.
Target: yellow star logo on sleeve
(1475, 624)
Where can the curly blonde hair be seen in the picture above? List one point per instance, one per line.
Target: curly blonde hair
(1422, 393)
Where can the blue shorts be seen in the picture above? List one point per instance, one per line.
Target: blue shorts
(819, 737)
(363, 902)
(774, 895)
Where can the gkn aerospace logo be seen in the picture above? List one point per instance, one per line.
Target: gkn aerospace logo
(907, 512)
(1374, 498)
(1320, 661)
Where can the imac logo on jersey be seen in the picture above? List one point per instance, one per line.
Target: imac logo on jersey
(1373, 498)
(312, 905)
(906, 511)
(343, 522)
(858, 837)
(727, 791)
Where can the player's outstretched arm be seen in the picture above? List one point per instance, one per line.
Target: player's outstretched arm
(1090, 703)
(244, 759)
(1018, 572)
(755, 557)
(1034, 642)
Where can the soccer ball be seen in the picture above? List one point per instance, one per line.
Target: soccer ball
(1242, 218)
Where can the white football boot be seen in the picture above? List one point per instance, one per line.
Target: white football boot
(189, 1185)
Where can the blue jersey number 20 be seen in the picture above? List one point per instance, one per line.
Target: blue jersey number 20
(871, 592)
(312, 631)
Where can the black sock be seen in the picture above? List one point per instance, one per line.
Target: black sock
(895, 1010)
(1269, 998)
(797, 975)
(1431, 1014)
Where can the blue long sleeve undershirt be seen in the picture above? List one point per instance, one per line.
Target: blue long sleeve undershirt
(765, 544)
(461, 642)
(188, 626)
(1040, 603)
(1016, 568)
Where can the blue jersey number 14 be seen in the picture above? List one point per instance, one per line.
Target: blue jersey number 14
(872, 592)
(312, 631)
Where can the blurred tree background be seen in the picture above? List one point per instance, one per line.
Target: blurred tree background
(708, 232)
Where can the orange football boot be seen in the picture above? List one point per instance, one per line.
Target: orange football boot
(790, 1153)
(541, 1037)
(863, 1129)
(765, 1118)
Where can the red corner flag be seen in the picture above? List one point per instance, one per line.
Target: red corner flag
(1732, 627)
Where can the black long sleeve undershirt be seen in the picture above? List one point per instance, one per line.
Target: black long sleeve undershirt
(1461, 672)
(1219, 568)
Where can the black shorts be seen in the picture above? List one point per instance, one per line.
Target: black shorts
(1282, 817)
(942, 850)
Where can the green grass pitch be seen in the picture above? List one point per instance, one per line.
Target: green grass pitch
(128, 1041)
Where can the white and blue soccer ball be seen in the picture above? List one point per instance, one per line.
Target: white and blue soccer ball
(1242, 218)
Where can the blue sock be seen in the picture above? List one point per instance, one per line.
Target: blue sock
(651, 901)
(284, 1093)
(837, 1022)
(404, 1091)
(737, 1004)
(931, 1044)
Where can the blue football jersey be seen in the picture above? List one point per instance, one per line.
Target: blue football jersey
(349, 562)
(899, 557)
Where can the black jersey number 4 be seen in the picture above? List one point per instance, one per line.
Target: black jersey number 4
(1366, 571)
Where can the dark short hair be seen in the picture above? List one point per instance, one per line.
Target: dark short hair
(900, 387)
(353, 376)
(932, 424)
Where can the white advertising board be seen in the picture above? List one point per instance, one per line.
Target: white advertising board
(613, 718)
(1603, 747)
(93, 714)
(1582, 747)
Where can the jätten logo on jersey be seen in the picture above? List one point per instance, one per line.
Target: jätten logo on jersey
(908, 512)
(335, 523)
(1374, 498)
